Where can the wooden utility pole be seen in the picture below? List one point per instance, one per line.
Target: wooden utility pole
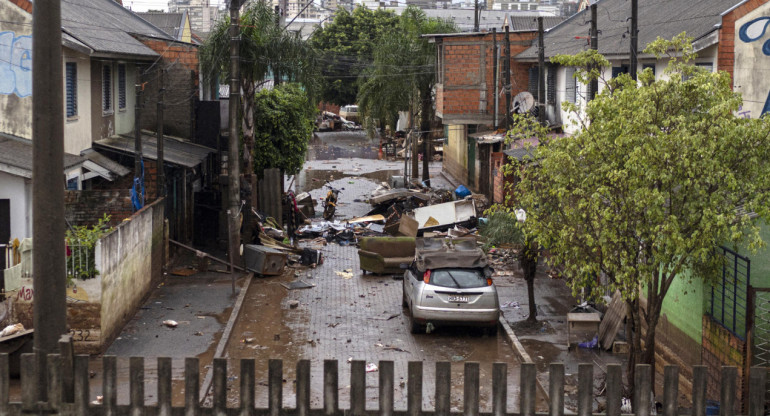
(495, 81)
(541, 98)
(507, 74)
(48, 258)
(634, 38)
(161, 170)
(593, 87)
(476, 16)
(233, 162)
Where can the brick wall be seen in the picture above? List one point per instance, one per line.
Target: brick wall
(127, 182)
(332, 108)
(181, 83)
(722, 348)
(87, 207)
(26, 5)
(498, 191)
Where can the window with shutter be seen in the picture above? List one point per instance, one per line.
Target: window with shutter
(71, 88)
(571, 85)
(121, 86)
(107, 88)
(533, 78)
(551, 85)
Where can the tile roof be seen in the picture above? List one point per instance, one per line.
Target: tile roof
(16, 157)
(175, 151)
(664, 18)
(106, 27)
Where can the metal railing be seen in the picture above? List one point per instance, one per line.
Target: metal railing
(67, 390)
(729, 295)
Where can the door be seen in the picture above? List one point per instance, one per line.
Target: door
(484, 174)
(5, 228)
(471, 162)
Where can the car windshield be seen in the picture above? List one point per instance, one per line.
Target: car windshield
(457, 278)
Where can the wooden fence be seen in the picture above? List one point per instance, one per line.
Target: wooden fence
(67, 390)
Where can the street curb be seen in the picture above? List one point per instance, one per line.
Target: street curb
(520, 351)
(206, 385)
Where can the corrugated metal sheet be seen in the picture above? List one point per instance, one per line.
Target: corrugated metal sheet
(175, 151)
(17, 153)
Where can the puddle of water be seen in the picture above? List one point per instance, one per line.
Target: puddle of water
(310, 179)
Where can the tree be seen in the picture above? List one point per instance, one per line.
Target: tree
(266, 48)
(404, 73)
(281, 141)
(660, 173)
(345, 48)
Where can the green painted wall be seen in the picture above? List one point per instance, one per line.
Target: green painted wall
(684, 306)
(760, 262)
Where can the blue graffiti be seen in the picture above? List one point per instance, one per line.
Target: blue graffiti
(751, 32)
(15, 64)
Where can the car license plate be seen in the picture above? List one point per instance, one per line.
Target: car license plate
(458, 299)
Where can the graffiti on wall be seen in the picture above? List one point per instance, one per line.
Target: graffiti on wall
(15, 64)
(753, 31)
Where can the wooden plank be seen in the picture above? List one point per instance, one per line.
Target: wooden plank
(699, 377)
(331, 387)
(642, 379)
(414, 388)
(136, 380)
(471, 389)
(585, 389)
(303, 388)
(109, 385)
(66, 350)
(757, 386)
(82, 385)
(670, 390)
(527, 391)
(164, 386)
(55, 386)
(358, 387)
(614, 385)
(275, 387)
(556, 389)
(612, 321)
(220, 386)
(728, 391)
(5, 382)
(443, 388)
(386, 388)
(248, 372)
(30, 388)
(191, 386)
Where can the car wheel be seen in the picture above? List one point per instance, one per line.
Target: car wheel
(414, 327)
(492, 331)
(404, 303)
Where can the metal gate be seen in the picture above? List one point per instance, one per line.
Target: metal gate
(760, 332)
(729, 295)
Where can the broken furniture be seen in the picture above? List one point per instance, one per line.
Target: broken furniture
(385, 255)
(15, 345)
(263, 260)
(582, 325)
(441, 217)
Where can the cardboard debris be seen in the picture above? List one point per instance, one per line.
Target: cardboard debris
(170, 323)
(345, 274)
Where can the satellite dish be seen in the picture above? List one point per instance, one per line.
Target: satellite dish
(523, 102)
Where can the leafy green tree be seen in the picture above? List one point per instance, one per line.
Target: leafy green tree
(404, 73)
(346, 47)
(660, 173)
(281, 140)
(266, 49)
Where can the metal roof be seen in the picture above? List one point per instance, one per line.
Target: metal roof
(171, 23)
(106, 27)
(488, 137)
(664, 18)
(521, 153)
(16, 157)
(175, 151)
(489, 19)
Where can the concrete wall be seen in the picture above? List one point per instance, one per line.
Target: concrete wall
(16, 68)
(77, 129)
(129, 262)
(456, 152)
(751, 76)
(19, 191)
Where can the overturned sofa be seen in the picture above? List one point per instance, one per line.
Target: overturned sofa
(385, 255)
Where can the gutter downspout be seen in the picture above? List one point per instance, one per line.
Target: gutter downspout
(495, 74)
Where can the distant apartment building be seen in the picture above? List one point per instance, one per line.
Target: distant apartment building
(545, 7)
(203, 15)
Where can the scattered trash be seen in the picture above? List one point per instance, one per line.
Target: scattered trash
(293, 304)
(429, 328)
(311, 342)
(249, 340)
(512, 304)
(462, 192)
(297, 284)
(170, 323)
(198, 333)
(99, 400)
(590, 344)
(11, 329)
(371, 368)
(345, 274)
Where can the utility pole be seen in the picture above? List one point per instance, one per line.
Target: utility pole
(476, 16)
(138, 131)
(48, 258)
(161, 157)
(593, 87)
(507, 74)
(495, 81)
(541, 98)
(233, 163)
(634, 38)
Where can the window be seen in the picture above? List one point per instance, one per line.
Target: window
(651, 66)
(107, 88)
(571, 85)
(121, 86)
(551, 84)
(533, 81)
(71, 88)
(617, 70)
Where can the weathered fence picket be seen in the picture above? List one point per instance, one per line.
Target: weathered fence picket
(66, 392)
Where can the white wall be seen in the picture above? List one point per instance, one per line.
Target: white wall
(77, 130)
(751, 70)
(19, 191)
(15, 70)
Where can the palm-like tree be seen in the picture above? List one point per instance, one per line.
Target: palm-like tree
(266, 48)
(403, 73)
